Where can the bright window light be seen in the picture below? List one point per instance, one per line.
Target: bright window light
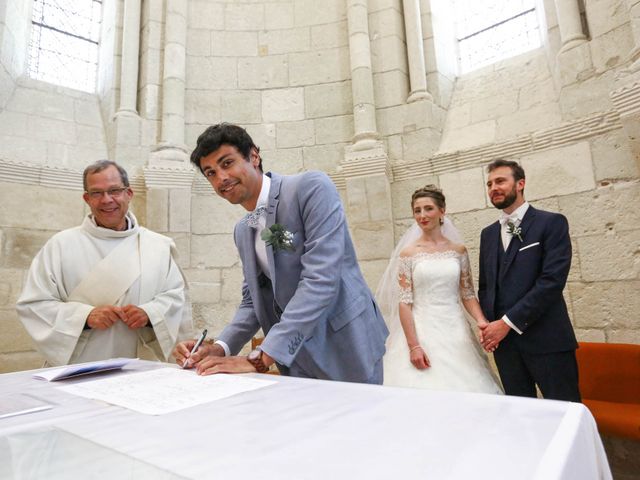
(491, 30)
(64, 42)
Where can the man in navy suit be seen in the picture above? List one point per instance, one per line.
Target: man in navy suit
(302, 286)
(524, 263)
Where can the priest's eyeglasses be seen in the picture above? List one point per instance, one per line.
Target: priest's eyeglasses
(112, 192)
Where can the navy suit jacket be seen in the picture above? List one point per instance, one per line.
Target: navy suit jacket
(317, 311)
(530, 281)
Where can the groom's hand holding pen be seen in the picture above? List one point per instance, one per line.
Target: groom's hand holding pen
(194, 349)
(190, 353)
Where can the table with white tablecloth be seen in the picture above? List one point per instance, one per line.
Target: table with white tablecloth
(302, 429)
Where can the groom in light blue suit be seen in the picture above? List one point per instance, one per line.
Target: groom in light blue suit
(302, 284)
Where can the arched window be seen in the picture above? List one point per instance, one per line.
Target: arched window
(64, 42)
(491, 30)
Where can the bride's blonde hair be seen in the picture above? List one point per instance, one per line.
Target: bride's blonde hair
(430, 191)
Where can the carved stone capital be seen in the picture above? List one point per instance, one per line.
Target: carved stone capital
(169, 155)
(418, 96)
(626, 98)
(168, 177)
(365, 163)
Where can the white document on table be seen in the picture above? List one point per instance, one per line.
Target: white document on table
(165, 390)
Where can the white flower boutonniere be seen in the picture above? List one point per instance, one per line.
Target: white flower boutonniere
(514, 231)
(278, 237)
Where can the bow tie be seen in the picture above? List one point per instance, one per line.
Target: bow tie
(252, 219)
(504, 218)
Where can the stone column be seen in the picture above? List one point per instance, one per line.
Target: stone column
(171, 150)
(626, 94)
(634, 16)
(626, 100)
(570, 24)
(168, 174)
(365, 172)
(130, 55)
(127, 121)
(364, 109)
(415, 52)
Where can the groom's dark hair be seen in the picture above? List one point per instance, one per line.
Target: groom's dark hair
(223, 134)
(516, 169)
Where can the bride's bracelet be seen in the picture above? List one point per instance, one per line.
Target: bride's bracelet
(414, 348)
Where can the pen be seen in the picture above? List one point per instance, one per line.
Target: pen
(195, 347)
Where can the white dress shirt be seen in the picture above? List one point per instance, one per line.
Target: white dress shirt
(516, 218)
(261, 247)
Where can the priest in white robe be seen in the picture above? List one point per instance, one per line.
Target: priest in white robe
(108, 288)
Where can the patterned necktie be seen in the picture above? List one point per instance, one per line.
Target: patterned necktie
(506, 232)
(504, 218)
(252, 219)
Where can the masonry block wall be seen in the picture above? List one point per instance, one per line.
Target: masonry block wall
(298, 75)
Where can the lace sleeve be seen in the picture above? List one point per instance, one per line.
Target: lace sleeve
(405, 280)
(467, 290)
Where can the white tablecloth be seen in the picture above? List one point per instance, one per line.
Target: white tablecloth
(310, 429)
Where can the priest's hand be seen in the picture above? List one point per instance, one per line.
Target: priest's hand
(135, 317)
(182, 353)
(101, 318)
(212, 365)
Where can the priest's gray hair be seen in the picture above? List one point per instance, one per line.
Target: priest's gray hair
(100, 165)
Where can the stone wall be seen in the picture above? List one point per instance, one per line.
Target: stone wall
(502, 101)
(556, 112)
(280, 69)
(29, 217)
(43, 124)
(14, 38)
(285, 71)
(603, 221)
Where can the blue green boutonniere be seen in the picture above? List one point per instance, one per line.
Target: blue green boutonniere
(278, 237)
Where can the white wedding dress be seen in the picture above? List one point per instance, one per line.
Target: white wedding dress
(435, 283)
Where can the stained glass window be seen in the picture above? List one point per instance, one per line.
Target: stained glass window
(64, 42)
(491, 30)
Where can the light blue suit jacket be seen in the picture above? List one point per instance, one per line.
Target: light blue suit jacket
(317, 312)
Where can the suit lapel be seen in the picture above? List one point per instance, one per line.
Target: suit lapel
(272, 207)
(493, 239)
(514, 245)
(246, 244)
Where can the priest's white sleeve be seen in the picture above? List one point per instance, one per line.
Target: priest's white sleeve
(169, 311)
(54, 325)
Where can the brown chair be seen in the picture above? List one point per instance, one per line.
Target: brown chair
(609, 376)
(257, 341)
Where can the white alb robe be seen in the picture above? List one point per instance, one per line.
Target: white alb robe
(68, 278)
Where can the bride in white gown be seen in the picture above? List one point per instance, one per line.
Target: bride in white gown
(422, 293)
